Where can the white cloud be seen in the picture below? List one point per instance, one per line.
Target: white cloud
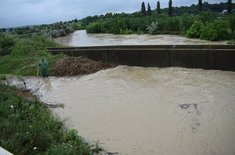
(29, 12)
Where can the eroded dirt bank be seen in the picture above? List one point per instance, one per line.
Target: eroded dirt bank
(135, 110)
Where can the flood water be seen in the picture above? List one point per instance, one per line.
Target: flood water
(136, 111)
(81, 38)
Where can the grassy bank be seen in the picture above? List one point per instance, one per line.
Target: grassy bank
(29, 128)
(21, 56)
(26, 65)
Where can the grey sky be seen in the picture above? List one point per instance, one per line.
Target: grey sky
(30, 12)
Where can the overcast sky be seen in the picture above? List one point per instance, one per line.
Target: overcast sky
(29, 12)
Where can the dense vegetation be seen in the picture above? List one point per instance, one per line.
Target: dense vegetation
(183, 20)
(211, 26)
(49, 30)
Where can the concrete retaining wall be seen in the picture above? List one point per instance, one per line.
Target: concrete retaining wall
(220, 57)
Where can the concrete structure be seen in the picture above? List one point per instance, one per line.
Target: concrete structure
(220, 57)
(4, 152)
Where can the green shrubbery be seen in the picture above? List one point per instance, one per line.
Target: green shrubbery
(26, 65)
(211, 29)
(21, 56)
(218, 30)
(6, 43)
(18, 46)
(22, 47)
(29, 128)
(205, 25)
(196, 29)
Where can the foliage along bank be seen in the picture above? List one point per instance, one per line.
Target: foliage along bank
(181, 20)
(20, 56)
(28, 127)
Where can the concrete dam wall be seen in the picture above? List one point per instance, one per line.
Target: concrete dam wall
(221, 57)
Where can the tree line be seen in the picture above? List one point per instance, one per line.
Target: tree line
(201, 23)
(170, 8)
(171, 20)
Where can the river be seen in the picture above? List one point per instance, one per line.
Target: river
(81, 38)
(136, 110)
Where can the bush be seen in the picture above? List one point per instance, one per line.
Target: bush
(22, 47)
(218, 30)
(195, 29)
(41, 42)
(206, 17)
(93, 28)
(127, 31)
(6, 43)
(186, 22)
(152, 28)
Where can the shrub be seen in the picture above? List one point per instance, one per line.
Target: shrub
(195, 29)
(41, 42)
(206, 17)
(152, 28)
(22, 47)
(217, 30)
(93, 28)
(6, 43)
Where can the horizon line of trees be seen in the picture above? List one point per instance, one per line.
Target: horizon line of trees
(195, 24)
(170, 8)
(143, 21)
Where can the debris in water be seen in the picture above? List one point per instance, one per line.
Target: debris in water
(71, 66)
(186, 106)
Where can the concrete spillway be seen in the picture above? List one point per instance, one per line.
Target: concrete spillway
(219, 57)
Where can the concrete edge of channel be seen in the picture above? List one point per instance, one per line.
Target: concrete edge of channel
(4, 152)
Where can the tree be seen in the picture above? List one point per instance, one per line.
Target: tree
(230, 5)
(200, 5)
(143, 9)
(170, 8)
(152, 28)
(158, 8)
(149, 10)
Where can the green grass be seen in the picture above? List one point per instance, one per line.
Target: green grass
(30, 128)
(26, 65)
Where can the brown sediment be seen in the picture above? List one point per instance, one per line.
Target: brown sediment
(71, 66)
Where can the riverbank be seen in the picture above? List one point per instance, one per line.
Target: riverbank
(59, 65)
(28, 127)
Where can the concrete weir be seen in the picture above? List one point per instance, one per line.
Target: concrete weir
(221, 57)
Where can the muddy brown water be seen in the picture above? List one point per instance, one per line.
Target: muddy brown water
(81, 38)
(135, 110)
